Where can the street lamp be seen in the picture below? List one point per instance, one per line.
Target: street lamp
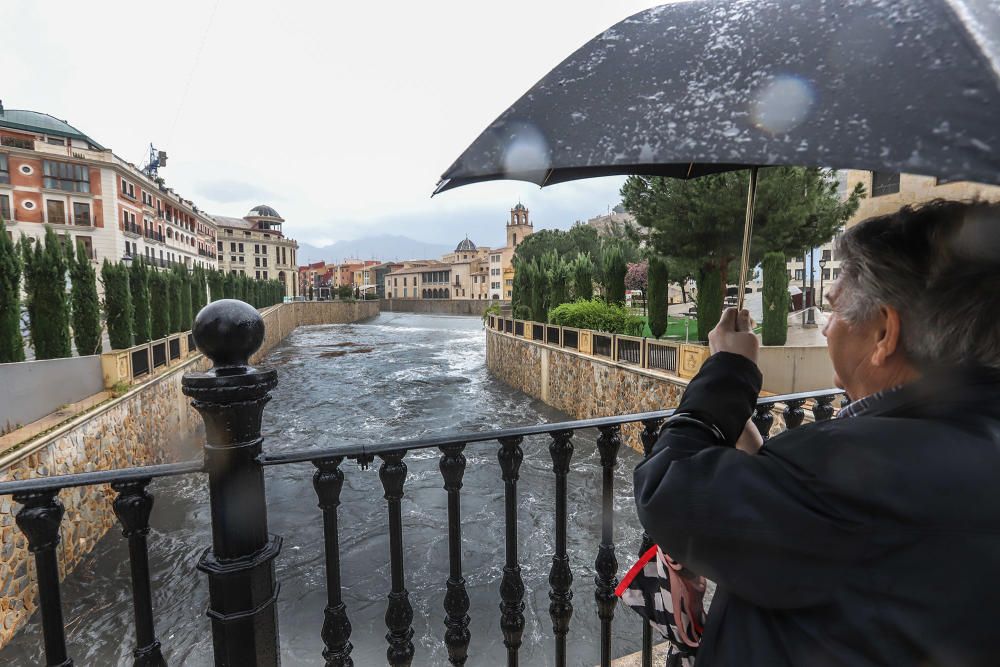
(810, 314)
(822, 269)
(127, 261)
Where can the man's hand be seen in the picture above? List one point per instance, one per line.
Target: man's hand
(733, 334)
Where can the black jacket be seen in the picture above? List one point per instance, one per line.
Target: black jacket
(871, 540)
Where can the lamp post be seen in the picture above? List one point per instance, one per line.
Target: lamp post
(822, 270)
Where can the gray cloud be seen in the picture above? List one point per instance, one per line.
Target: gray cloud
(231, 192)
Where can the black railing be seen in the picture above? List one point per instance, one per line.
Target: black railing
(629, 351)
(537, 331)
(661, 357)
(602, 345)
(240, 562)
(140, 362)
(571, 339)
(552, 335)
(508, 326)
(175, 348)
(159, 354)
(518, 328)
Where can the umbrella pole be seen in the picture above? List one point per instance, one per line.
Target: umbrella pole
(747, 230)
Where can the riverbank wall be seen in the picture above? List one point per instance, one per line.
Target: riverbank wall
(438, 306)
(152, 422)
(579, 384)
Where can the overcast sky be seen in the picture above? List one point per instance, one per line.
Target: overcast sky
(340, 115)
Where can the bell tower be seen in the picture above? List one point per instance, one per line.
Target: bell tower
(519, 227)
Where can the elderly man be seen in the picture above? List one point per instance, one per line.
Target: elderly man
(873, 538)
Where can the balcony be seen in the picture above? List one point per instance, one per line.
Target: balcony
(14, 142)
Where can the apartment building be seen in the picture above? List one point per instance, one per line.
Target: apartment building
(254, 245)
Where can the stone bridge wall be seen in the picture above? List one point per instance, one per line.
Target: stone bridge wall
(151, 423)
(438, 306)
(580, 385)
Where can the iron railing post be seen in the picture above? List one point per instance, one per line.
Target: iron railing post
(560, 574)
(240, 563)
(606, 565)
(650, 434)
(510, 456)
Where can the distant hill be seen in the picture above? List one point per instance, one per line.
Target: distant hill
(385, 247)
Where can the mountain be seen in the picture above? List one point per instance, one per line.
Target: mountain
(385, 247)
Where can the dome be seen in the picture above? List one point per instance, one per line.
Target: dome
(466, 246)
(520, 207)
(263, 211)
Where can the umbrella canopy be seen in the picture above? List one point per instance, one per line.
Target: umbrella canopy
(693, 88)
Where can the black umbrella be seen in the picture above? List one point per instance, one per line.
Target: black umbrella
(701, 87)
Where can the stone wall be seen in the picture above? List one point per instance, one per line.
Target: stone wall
(152, 423)
(438, 306)
(580, 385)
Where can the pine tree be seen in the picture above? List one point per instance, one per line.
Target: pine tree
(86, 305)
(159, 305)
(118, 312)
(138, 280)
(658, 297)
(49, 304)
(775, 299)
(11, 341)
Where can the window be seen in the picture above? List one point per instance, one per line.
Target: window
(4, 169)
(265, 261)
(128, 189)
(65, 176)
(232, 247)
(5, 207)
(884, 183)
(55, 211)
(81, 214)
(256, 248)
(232, 259)
(55, 141)
(258, 274)
(798, 274)
(246, 234)
(229, 232)
(836, 274)
(87, 245)
(265, 275)
(256, 262)
(826, 274)
(147, 199)
(826, 255)
(241, 247)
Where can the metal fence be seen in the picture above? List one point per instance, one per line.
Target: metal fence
(628, 350)
(661, 356)
(603, 345)
(240, 562)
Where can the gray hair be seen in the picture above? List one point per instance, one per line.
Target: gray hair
(938, 265)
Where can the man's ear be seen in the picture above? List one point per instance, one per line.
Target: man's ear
(887, 329)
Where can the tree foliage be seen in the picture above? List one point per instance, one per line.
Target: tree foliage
(48, 306)
(700, 221)
(86, 305)
(658, 294)
(118, 309)
(637, 276)
(138, 282)
(582, 268)
(775, 299)
(11, 341)
(159, 303)
(614, 265)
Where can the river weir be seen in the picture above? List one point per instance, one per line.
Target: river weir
(397, 377)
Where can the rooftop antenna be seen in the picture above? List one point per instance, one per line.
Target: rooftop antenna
(155, 160)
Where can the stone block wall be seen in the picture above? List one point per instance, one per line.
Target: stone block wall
(152, 423)
(582, 386)
(439, 306)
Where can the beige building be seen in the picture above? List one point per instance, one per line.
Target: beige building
(884, 193)
(254, 245)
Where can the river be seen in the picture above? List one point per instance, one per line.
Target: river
(399, 376)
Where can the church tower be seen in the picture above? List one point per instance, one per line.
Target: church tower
(519, 226)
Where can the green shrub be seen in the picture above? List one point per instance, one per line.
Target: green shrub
(11, 341)
(86, 306)
(598, 316)
(48, 307)
(492, 309)
(118, 311)
(775, 299)
(138, 283)
(658, 296)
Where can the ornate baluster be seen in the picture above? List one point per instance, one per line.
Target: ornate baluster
(763, 419)
(606, 564)
(399, 614)
(823, 408)
(39, 520)
(132, 507)
(560, 575)
(650, 434)
(793, 414)
(511, 584)
(328, 480)
(456, 600)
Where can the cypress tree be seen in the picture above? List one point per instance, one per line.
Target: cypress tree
(775, 299)
(615, 266)
(709, 300)
(583, 277)
(658, 295)
(86, 306)
(159, 304)
(11, 341)
(216, 281)
(174, 286)
(184, 281)
(229, 286)
(138, 280)
(118, 312)
(49, 305)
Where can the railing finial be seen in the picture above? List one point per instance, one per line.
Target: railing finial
(228, 331)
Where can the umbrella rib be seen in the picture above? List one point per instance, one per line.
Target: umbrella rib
(747, 230)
